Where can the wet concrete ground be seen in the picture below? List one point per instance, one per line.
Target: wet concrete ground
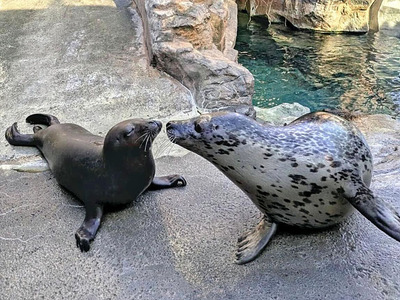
(85, 64)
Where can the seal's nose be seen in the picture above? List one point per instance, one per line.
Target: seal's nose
(155, 124)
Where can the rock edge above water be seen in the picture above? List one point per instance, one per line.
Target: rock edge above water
(193, 42)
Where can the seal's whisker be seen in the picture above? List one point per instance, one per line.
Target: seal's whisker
(166, 145)
(161, 146)
(144, 139)
(171, 146)
(141, 136)
(147, 140)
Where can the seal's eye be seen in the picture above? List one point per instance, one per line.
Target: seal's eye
(129, 131)
(197, 127)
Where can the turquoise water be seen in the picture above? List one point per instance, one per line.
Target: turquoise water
(353, 72)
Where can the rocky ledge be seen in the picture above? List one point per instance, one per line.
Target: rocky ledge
(327, 16)
(193, 42)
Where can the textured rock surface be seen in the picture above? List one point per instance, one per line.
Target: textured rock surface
(319, 15)
(389, 17)
(193, 42)
(281, 114)
(383, 136)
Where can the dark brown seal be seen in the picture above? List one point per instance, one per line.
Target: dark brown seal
(99, 171)
(308, 174)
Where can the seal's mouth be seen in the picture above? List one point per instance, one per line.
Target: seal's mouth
(171, 132)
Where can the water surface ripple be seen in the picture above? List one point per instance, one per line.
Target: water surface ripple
(336, 71)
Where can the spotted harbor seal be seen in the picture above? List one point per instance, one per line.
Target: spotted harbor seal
(113, 170)
(308, 174)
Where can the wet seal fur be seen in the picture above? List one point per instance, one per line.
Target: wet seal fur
(308, 174)
(113, 170)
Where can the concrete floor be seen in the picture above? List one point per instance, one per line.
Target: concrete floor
(85, 64)
(180, 244)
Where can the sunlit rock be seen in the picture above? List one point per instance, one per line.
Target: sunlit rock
(281, 114)
(383, 136)
(389, 17)
(193, 42)
(319, 15)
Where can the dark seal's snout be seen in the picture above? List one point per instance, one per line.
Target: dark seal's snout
(155, 126)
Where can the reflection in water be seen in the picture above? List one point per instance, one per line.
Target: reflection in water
(354, 72)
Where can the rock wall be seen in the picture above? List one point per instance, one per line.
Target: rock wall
(319, 15)
(193, 42)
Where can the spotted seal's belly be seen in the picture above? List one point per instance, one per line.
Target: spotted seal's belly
(315, 211)
(300, 193)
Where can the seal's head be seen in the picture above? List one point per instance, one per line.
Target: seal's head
(218, 131)
(132, 135)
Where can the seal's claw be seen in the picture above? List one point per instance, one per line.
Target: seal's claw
(85, 246)
(169, 181)
(83, 238)
(179, 181)
(176, 180)
(243, 243)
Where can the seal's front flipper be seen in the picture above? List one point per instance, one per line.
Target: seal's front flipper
(167, 182)
(375, 210)
(251, 244)
(17, 139)
(88, 229)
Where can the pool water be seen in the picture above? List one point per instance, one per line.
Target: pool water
(321, 71)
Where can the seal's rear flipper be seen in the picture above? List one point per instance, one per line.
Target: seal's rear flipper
(17, 139)
(42, 119)
(252, 243)
(375, 210)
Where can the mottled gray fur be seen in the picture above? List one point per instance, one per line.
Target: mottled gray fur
(310, 173)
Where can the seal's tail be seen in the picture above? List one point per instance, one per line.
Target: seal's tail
(17, 139)
(42, 119)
